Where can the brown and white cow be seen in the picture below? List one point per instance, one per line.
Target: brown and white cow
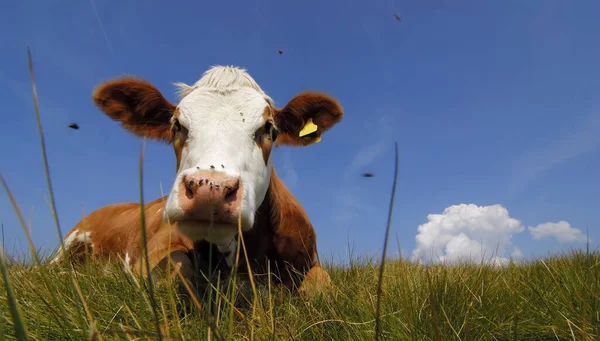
(222, 131)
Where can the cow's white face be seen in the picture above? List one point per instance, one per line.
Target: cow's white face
(222, 131)
(228, 128)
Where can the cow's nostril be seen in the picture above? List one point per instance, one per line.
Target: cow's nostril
(189, 188)
(230, 191)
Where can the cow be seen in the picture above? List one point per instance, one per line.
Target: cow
(223, 131)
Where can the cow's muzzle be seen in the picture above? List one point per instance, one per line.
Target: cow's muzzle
(210, 197)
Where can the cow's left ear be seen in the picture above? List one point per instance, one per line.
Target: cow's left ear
(138, 105)
(308, 115)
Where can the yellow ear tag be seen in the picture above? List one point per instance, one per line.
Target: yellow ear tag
(309, 128)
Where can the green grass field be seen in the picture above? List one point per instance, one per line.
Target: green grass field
(556, 298)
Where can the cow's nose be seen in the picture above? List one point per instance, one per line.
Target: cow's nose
(209, 195)
(210, 187)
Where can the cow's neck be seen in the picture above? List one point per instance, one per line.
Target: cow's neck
(277, 203)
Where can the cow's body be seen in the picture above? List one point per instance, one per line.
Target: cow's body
(222, 132)
(283, 239)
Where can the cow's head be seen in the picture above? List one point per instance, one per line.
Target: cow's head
(222, 131)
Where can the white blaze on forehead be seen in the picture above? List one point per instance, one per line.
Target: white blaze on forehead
(221, 112)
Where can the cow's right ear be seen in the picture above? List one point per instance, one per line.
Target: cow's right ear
(306, 117)
(138, 105)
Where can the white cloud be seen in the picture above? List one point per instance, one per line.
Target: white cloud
(562, 231)
(466, 232)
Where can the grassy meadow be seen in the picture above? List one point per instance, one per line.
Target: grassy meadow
(555, 298)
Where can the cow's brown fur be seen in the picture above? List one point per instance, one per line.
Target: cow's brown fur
(148, 115)
(282, 235)
(324, 110)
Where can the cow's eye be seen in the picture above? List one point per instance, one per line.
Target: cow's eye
(271, 130)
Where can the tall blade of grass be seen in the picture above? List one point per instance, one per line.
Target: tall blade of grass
(169, 278)
(385, 242)
(218, 298)
(450, 322)
(49, 181)
(433, 305)
(34, 253)
(2, 332)
(233, 281)
(111, 320)
(75, 282)
(20, 328)
(195, 301)
(84, 305)
(166, 320)
(145, 245)
(250, 274)
(137, 323)
(3, 245)
(271, 310)
(43, 145)
(222, 296)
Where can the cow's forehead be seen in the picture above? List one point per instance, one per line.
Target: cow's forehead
(222, 79)
(224, 94)
(242, 108)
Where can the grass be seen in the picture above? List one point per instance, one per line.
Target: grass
(556, 298)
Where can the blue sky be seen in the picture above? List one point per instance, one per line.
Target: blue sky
(491, 103)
